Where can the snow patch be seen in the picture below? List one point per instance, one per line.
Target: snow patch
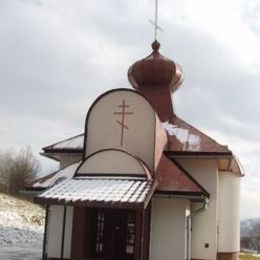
(21, 222)
(190, 141)
(61, 175)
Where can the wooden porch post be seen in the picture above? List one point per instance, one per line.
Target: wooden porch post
(81, 244)
(140, 235)
(63, 231)
(147, 230)
(143, 238)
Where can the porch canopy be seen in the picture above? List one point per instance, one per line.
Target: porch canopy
(102, 192)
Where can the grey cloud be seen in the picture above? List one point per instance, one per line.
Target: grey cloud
(251, 14)
(58, 56)
(52, 65)
(216, 82)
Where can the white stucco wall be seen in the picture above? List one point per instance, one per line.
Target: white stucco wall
(68, 159)
(229, 212)
(54, 231)
(168, 234)
(68, 232)
(204, 225)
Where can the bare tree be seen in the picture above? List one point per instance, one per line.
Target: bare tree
(252, 239)
(256, 236)
(16, 169)
(6, 163)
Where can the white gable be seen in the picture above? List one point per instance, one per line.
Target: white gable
(123, 119)
(114, 162)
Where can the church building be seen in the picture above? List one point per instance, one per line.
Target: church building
(141, 183)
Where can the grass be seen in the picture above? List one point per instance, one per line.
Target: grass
(249, 257)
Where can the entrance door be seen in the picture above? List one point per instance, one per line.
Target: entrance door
(113, 235)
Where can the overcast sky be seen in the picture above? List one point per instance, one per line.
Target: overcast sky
(57, 56)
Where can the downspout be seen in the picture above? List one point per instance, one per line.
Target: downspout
(189, 220)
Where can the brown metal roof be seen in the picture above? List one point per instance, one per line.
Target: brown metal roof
(183, 139)
(100, 192)
(170, 176)
(173, 178)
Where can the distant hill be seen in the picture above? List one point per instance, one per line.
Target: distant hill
(246, 226)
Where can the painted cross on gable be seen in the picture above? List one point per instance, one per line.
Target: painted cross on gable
(121, 122)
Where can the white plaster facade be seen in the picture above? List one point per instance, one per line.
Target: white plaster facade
(168, 237)
(54, 231)
(67, 159)
(204, 225)
(229, 213)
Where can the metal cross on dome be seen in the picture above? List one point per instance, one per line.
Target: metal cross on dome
(155, 22)
(123, 113)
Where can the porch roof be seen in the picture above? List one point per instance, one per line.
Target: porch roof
(100, 192)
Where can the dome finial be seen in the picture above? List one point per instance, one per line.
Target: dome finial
(156, 45)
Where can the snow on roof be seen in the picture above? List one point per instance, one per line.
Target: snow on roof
(170, 178)
(54, 178)
(73, 143)
(99, 192)
(183, 137)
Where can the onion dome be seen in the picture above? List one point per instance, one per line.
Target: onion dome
(156, 77)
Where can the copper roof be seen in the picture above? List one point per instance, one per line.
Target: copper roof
(100, 192)
(156, 77)
(183, 139)
(172, 178)
(155, 71)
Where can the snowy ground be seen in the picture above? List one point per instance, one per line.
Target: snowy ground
(21, 229)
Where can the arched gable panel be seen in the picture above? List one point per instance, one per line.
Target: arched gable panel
(113, 162)
(122, 119)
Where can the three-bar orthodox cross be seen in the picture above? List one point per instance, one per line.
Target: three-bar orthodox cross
(155, 22)
(121, 122)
